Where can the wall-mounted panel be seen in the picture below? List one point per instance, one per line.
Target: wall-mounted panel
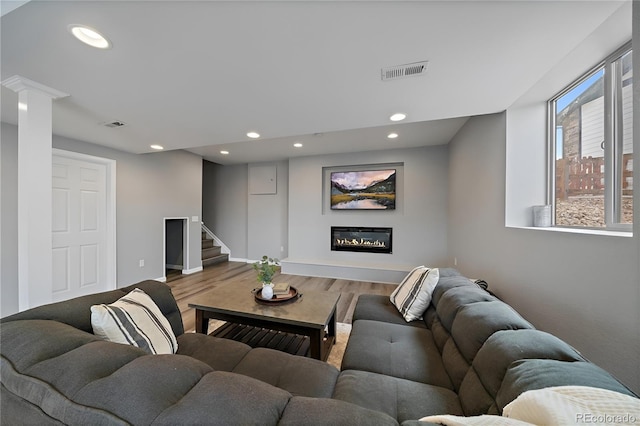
(263, 179)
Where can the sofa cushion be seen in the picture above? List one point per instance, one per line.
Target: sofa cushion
(135, 320)
(28, 342)
(27, 400)
(88, 363)
(18, 411)
(480, 386)
(395, 350)
(298, 375)
(77, 313)
(451, 294)
(222, 398)
(476, 322)
(143, 388)
(455, 299)
(531, 374)
(377, 307)
(413, 295)
(472, 326)
(220, 354)
(446, 283)
(322, 412)
(399, 398)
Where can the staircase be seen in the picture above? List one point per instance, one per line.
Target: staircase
(211, 253)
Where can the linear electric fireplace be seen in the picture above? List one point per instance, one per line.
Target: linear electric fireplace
(368, 240)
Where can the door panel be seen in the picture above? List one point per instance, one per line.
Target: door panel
(60, 269)
(60, 212)
(79, 228)
(89, 205)
(89, 261)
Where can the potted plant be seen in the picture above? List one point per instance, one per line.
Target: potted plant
(266, 269)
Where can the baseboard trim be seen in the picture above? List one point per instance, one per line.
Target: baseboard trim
(387, 274)
(191, 271)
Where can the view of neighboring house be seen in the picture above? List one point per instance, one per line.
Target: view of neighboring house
(580, 148)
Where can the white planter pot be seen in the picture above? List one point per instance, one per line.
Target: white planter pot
(267, 291)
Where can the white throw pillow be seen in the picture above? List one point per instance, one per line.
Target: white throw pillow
(413, 295)
(134, 320)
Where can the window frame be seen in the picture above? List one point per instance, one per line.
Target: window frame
(613, 143)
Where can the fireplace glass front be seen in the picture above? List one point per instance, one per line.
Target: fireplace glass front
(358, 239)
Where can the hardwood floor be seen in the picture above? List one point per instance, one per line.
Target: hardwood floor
(185, 287)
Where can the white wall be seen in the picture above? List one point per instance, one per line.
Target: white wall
(526, 125)
(149, 188)
(583, 288)
(419, 221)
(9, 219)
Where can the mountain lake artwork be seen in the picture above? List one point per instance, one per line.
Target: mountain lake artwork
(366, 190)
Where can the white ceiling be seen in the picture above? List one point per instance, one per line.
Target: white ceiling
(198, 75)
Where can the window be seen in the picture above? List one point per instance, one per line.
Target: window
(591, 127)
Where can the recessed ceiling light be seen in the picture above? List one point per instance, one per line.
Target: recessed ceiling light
(392, 135)
(224, 152)
(89, 36)
(253, 135)
(158, 147)
(398, 116)
(297, 145)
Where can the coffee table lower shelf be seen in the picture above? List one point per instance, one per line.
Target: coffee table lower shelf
(258, 337)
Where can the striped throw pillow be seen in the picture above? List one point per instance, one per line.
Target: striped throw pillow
(134, 320)
(413, 295)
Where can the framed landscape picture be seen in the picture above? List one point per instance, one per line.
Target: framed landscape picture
(363, 190)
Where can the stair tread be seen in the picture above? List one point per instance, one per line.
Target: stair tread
(212, 254)
(209, 252)
(215, 259)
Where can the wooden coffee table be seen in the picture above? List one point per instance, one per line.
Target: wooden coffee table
(313, 314)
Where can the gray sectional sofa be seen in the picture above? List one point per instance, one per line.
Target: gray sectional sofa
(472, 354)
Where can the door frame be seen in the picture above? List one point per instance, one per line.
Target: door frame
(185, 245)
(110, 234)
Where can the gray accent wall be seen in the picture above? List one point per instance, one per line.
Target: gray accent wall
(149, 188)
(583, 288)
(251, 222)
(419, 221)
(267, 216)
(224, 203)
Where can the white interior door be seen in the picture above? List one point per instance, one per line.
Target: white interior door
(79, 228)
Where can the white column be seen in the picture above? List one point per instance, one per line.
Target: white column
(34, 190)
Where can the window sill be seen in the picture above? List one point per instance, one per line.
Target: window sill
(624, 234)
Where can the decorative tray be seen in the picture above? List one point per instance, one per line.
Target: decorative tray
(277, 298)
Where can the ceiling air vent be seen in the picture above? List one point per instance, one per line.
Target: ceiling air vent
(115, 124)
(406, 70)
